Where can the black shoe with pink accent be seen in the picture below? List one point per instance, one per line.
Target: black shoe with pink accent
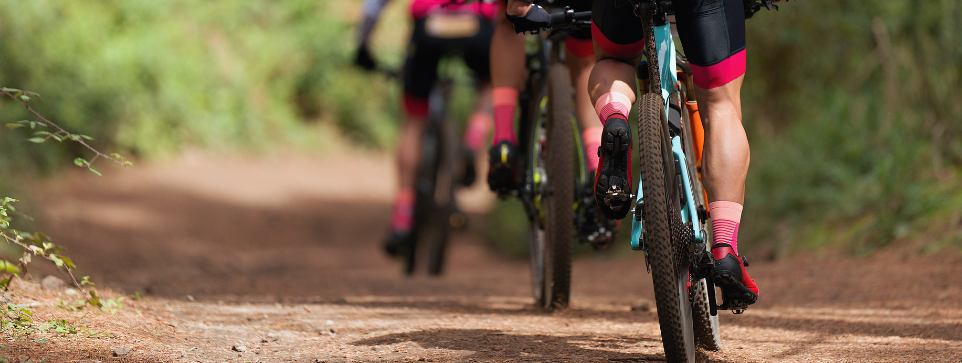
(613, 183)
(738, 290)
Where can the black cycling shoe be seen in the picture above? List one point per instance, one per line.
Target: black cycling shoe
(738, 290)
(598, 231)
(398, 242)
(470, 173)
(503, 171)
(613, 184)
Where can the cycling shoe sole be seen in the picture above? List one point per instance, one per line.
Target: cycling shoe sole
(735, 294)
(613, 187)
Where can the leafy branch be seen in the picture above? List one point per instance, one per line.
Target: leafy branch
(37, 243)
(24, 97)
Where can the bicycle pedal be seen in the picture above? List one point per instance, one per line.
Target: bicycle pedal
(615, 198)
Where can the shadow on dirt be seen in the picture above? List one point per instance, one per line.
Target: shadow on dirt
(928, 329)
(485, 344)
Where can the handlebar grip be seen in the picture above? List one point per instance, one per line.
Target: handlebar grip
(584, 15)
(557, 19)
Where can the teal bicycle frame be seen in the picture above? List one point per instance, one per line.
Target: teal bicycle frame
(665, 48)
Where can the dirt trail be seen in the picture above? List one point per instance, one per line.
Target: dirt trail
(281, 256)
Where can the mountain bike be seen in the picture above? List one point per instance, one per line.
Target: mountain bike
(669, 215)
(555, 185)
(441, 170)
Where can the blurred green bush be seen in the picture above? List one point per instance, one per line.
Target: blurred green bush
(853, 110)
(153, 77)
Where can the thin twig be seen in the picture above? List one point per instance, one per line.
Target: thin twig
(61, 130)
(65, 268)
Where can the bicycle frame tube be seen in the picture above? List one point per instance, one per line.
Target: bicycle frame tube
(665, 48)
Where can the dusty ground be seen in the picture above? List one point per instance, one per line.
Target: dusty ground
(281, 256)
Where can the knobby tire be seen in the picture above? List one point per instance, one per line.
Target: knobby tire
(559, 166)
(668, 268)
(706, 327)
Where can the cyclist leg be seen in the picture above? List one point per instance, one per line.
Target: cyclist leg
(507, 71)
(617, 35)
(580, 59)
(420, 73)
(597, 230)
(713, 33)
(475, 51)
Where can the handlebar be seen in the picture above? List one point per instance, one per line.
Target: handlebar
(570, 17)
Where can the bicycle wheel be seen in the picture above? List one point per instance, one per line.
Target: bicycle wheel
(558, 198)
(435, 232)
(530, 135)
(705, 325)
(434, 200)
(669, 263)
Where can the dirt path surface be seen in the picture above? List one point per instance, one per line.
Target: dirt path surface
(278, 260)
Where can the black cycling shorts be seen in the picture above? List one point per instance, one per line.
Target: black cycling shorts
(712, 33)
(425, 52)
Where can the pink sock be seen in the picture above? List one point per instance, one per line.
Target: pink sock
(403, 218)
(478, 127)
(725, 217)
(592, 140)
(611, 103)
(504, 100)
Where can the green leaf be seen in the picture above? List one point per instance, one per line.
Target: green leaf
(25, 98)
(56, 260)
(8, 267)
(11, 90)
(85, 137)
(80, 161)
(7, 200)
(94, 300)
(116, 156)
(68, 262)
(38, 140)
(95, 171)
(13, 125)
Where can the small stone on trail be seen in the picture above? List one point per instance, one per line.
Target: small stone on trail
(190, 298)
(120, 352)
(52, 283)
(239, 348)
(641, 305)
(271, 337)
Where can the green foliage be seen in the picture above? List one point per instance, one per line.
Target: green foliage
(153, 77)
(16, 319)
(853, 111)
